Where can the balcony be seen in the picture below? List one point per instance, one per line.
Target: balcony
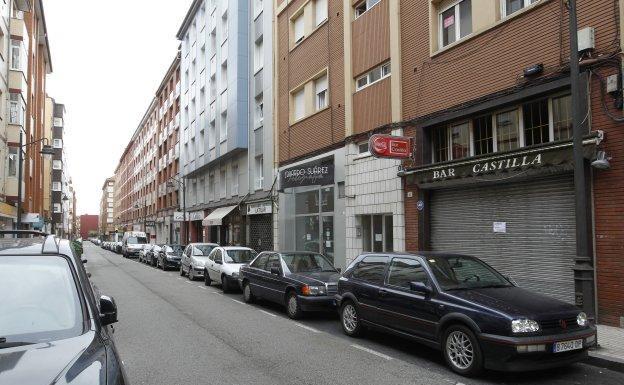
(18, 29)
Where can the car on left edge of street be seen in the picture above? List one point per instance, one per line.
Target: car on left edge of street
(224, 264)
(302, 281)
(194, 258)
(55, 327)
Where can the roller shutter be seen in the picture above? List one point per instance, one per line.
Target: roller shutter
(538, 248)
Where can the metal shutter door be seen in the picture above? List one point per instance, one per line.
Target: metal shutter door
(537, 250)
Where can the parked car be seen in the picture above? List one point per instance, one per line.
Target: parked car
(132, 243)
(118, 245)
(462, 306)
(224, 263)
(194, 259)
(169, 256)
(55, 324)
(302, 281)
(143, 253)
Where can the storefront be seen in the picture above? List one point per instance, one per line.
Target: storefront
(224, 225)
(311, 213)
(260, 225)
(8, 216)
(514, 210)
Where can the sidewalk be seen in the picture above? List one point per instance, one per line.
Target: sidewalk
(610, 351)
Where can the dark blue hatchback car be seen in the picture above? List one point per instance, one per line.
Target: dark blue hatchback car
(462, 306)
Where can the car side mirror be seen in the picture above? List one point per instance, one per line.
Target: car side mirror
(339, 270)
(108, 310)
(420, 287)
(275, 270)
(84, 260)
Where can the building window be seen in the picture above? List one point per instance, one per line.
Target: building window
(440, 145)
(364, 6)
(320, 86)
(259, 172)
(507, 131)
(235, 179)
(377, 234)
(13, 161)
(223, 127)
(298, 29)
(373, 76)
(363, 148)
(562, 117)
(56, 186)
(483, 138)
(258, 7)
(18, 55)
(224, 27)
(211, 186)
(222, 183)
(299, 104)
(57, 208)
(320, 11)
(512, 6)
(259, 110)
(258, 56)
(455, 22)
(57, 143)
(16, 109)
(536, 125)
(460, 140)
(57, 165)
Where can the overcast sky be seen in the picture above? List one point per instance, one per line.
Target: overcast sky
(108, 59)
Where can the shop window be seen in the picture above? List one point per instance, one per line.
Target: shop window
(307, 202)
(314, 221)
(460, 140)
(327, 199)
(440, 145)
(455, 22)
(377, 233)
(536, 127)
(507, 130)
(562, 117)
(483, 138)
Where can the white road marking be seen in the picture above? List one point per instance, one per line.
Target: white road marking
(237, 301)
(267, 313)
(179, 277)
(201, 287)
(188, 282)
(216, 292)
(307, 328)
(371, 351)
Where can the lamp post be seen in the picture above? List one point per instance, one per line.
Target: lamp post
(46, 150)
(583, 263)
(181, 183)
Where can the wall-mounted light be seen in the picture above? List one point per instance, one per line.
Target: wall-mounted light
(533, 70)
(602, 161)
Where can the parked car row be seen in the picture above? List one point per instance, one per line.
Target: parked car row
(478, 318)
(111, 246)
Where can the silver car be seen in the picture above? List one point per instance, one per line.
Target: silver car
(194, 259)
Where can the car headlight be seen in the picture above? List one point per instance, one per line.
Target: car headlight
(524, 326)
(313, 290)
(581, 319)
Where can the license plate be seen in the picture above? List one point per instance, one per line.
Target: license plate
(565, 346)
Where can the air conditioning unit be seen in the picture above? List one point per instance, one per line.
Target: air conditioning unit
(587, 39)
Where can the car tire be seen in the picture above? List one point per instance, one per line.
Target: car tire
(350, 319)
(163, 265)
(293, 308)
(461, 350)
(248, 295)
(225, 284)
(191, 277)
(207, 280)
(181, 271)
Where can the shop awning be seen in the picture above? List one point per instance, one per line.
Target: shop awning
(216, 217)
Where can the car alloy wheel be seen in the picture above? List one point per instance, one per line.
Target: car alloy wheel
(181, 271)
(349, 318)
(191, 276)
(207, 280)
(462, 351)
(292, 306)
(247, 294)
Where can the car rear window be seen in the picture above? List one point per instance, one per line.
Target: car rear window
(39, 298)
(371, 269)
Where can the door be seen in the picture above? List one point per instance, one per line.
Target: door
(327, 243)
(367, 279)
(210, 263)
(525, 230)
(402, 308)
(217, 266)
(275, 283)
(186, 258)
(256, 273)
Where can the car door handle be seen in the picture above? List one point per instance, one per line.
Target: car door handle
(383, 292)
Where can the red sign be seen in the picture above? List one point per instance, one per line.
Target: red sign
(388, 146)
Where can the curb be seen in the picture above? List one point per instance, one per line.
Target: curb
(605, 361)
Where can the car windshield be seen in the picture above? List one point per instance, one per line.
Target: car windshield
(137, 240)
(175, 249)
(202, 250)
(299, 263)
(39, 300)
(461, 272)
(240, 256)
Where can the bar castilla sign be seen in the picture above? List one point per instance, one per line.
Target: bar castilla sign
(316, 173)
(389, 146)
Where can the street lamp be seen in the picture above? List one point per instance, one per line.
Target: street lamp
(182, 184)
(46, 151)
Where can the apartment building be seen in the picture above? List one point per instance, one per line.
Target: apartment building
(106, 228)
(122, 187)
(226, 126)
(168, 156)
(336, 83)
(29, 65)
(60, 177)
(486, 94)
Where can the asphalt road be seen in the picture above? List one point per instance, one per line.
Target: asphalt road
(173, 331)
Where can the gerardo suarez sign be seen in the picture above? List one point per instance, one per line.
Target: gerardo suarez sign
(316, 173)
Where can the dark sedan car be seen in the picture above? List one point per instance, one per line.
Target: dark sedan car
(300, 280)
(54, 326)
(169, 256)
(464, 307)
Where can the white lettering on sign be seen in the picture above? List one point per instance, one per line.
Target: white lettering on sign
(505, 164)
(442, 174)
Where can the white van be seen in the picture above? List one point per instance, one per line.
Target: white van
(132, 243)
